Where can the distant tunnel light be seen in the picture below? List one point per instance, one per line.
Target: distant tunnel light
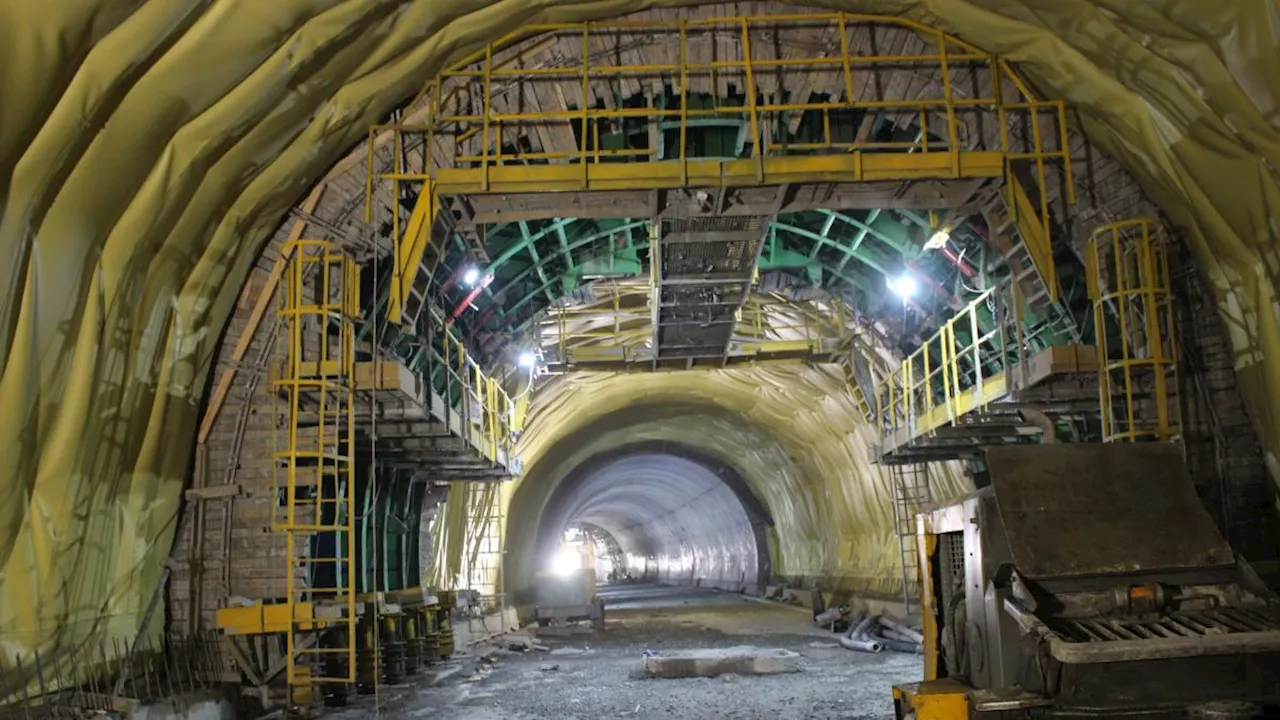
(904, 286)
(566, 562)
(471, 276)
(938, 240)
(527, 359)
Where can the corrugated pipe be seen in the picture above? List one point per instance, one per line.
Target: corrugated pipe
(892, 635)
(901, 629)
(858, 639)
(906, 647)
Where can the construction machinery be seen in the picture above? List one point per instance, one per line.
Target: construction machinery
(567, 594)
(1088, 581)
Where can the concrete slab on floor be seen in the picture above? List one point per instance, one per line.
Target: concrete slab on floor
(714, 662)
(600, 675)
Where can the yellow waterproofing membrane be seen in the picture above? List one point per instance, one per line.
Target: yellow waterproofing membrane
(792, 432)
(148, 149)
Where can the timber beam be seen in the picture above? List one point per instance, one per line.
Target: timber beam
(916, 195)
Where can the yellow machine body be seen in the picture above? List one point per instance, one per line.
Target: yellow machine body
(932, 700)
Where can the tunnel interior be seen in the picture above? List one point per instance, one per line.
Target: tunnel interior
(677, 515)
(126, 301)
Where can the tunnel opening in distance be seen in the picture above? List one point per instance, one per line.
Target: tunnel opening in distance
(677, 515)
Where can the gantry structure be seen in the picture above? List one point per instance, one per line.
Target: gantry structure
(666, 192)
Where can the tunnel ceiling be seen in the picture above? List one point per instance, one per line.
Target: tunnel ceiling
(149, 149)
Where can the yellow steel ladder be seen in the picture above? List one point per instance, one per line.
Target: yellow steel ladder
(315, 487)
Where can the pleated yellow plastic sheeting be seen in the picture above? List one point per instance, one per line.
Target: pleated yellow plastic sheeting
(791, 431)
(147, 150)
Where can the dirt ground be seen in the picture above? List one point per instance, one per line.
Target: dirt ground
(598, 675)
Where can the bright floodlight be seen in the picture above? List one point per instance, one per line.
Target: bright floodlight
(904, 286)
(527, 359)
(938, 240)
(566, 562)
(471, 276)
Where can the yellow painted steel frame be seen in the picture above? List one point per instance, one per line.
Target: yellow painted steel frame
(932, 700)
(925, 393)
(463, 137)
(768, 325)
(314, 376)
(938, 698)
(1127, 264)
(1034, 228)
(492, 421)
(260, 619)
(926, 546)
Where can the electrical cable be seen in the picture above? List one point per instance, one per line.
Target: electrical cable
(373, 482)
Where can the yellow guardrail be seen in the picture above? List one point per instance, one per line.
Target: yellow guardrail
(612, 331)
(466, 121)
(947, 377)
(491, 420)
(1130, 282)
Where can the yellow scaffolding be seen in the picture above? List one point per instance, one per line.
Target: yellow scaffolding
(489, 419)
(615, 329)
(946, 377)
(472, 118)
(1127, 264)
(313, 471)
(485, 552)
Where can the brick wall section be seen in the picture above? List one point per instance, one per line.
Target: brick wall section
(254, 565)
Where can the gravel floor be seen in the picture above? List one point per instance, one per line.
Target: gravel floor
(598, 675)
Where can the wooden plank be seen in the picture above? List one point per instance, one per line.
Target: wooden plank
(213, 492)
(219, 395)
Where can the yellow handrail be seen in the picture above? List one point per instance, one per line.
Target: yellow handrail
(467, 148)
(491, 419)
(947, 377)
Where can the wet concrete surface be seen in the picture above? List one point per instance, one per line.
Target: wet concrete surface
(598, 675)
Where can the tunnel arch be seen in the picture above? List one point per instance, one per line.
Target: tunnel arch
(792, 433)
(214, 160)
(587, 476)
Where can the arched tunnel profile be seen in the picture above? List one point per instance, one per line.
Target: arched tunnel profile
(322, 322)
(678, 515)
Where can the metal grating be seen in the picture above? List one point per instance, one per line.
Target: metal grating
(955, 555)
(706, 269)
(718, 257)
(1222, 621)
(713, 224)
(687, 296)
